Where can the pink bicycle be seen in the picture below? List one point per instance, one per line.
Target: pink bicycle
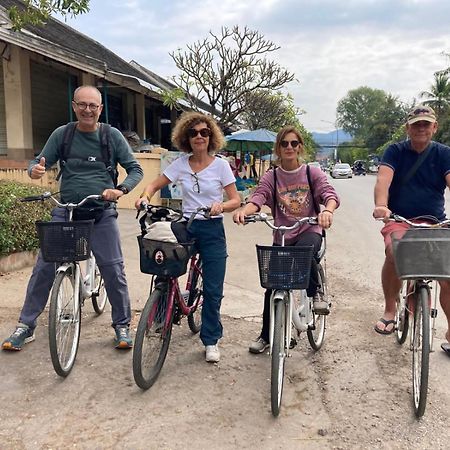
(167, 302)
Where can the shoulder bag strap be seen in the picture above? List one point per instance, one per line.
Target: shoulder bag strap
(422, 157)
(274, 192)
(308, 175)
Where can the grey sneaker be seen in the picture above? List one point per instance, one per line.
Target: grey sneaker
(19, 338)
(320, 305)
(258, 346)
(123, 339)
(212, 353)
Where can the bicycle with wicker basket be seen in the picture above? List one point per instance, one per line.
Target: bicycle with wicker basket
(422, 256)
(167, 302)
(67, 244)
(286, 271)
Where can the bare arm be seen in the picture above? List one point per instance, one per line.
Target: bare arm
(381, 193)
(151, 189)
(246, 210)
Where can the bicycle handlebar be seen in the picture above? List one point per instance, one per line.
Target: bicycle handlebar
(50, 196)
(398, 218)
(263, 217)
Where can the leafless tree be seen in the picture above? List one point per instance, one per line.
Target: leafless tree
(222, 69)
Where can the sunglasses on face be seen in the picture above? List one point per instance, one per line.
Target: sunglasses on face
(204, 132)
(294, 144)
(82, 106)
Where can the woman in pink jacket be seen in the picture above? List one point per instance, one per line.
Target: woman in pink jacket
(293, 190)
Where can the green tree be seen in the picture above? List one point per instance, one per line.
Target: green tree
(438, 97)
(224, 68)
(371, 115)
(36, 12)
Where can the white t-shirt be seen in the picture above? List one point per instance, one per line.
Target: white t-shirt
(202, 188)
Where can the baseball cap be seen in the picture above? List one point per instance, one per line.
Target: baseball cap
(421, 112)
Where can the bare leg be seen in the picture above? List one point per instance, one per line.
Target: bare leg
(391, 287)
(445, 303)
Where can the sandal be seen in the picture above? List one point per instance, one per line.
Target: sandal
(386, 323)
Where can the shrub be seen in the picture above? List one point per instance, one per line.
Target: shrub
(17, 230)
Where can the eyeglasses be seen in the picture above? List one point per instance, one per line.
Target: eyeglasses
(196, 185)
(294, 144)
(92, 106)
(204, 132)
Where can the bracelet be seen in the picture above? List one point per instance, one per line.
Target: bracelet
(327, 210)
(380, 206)
(223, 209)
(144, 194)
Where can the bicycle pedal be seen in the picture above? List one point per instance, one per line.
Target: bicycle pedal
(433, 313)
(293, 343)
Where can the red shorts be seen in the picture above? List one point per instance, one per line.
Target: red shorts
(391, 227)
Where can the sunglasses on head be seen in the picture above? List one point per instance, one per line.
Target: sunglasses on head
(204, 132)
(294, 144)
(421, 111)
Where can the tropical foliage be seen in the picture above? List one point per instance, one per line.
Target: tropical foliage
(36, 12)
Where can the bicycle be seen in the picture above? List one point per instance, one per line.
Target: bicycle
(421, 257)
(66, 244)
(167, 302)
(286, 271)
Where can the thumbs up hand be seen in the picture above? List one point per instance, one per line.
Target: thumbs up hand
(38, 170)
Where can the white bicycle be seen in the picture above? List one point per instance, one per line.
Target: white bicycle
(286, 271)
(66, 244)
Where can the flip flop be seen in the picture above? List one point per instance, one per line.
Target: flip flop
(446, 347)
(386, 323)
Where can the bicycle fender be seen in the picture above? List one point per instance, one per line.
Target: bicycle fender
(64, 267)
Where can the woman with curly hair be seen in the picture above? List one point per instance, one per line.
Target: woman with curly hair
(203, 178)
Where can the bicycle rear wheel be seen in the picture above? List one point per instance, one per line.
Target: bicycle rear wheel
(316, 334)
(421, 350)
(99, 295)
(402, 315)
(152, 339)
(279, 353)
(64, 322)
(196, 297)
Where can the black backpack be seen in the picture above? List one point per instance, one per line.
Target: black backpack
(105, 138)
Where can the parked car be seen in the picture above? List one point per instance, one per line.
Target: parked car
(342, 170)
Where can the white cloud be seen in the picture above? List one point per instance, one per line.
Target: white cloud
(331, 46)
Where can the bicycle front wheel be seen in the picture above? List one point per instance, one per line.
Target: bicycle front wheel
(316, 333)
(64, 322)
(421, 350)
(279, 353)
(196, 298)
(99, 295)
(402, 314)
(152, 339)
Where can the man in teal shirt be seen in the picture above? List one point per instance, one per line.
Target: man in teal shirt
(84, 174)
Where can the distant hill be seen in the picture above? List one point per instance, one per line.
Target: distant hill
(330, 137)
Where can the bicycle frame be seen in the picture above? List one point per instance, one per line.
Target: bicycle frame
(176, 295)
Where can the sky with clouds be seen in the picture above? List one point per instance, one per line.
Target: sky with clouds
(331, 46)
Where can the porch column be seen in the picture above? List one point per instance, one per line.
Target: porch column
(140, 116)
(19, 127)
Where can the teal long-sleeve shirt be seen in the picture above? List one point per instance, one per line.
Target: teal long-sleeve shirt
(83, 176)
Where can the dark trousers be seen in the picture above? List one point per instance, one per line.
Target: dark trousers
(211, 245)
(105, 243)
(315, 240)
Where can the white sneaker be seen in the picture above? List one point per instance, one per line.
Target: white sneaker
(212, 353)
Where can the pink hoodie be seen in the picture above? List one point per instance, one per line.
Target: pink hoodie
(294, 198)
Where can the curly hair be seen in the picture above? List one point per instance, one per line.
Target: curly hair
(280, 136)
(180, 138)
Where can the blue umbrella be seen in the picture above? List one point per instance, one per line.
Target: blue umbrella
(251, 141)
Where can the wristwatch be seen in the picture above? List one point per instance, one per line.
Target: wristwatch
(122, 188)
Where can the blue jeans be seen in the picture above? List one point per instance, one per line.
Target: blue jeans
(105, 243)
(211, 244)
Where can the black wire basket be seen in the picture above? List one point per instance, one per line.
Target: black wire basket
(422, 253)
(65, 241)
(284, 267)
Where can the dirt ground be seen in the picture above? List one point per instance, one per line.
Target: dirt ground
(354, 393)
